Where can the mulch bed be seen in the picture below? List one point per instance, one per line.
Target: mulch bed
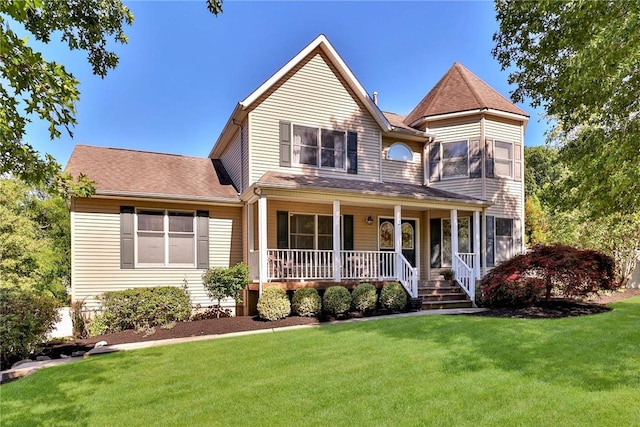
(556, 308)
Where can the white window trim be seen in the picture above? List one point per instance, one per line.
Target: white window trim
(319, 148)
(412, 160)
(165, 225)
(442, 175)
(495, 159)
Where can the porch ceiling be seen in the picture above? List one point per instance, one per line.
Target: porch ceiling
(339, 187)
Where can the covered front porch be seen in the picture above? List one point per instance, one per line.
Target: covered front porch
(295, 238)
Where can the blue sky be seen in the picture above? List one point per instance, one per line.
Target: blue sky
(185, 69)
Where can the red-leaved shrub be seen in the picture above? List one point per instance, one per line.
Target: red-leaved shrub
(559, 269)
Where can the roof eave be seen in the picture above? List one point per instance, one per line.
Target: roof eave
(113, 194)
(227, 132)
(267, 185)
(455, 114)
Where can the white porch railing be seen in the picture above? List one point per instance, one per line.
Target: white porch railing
(464, 273)
(367, 265)
(306, 264)
(408, 276)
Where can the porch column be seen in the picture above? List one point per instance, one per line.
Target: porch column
(454, 233)
(476, 243)
(262, 240)
(397, 237)
(336, 241)
(483, 255)
(250, 236)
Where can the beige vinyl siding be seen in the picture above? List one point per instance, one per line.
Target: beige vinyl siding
(502, 129)
(312, 94)
(401, 171)
(96, 251)
(232, 160)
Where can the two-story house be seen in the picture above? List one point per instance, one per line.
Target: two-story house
(312, 184)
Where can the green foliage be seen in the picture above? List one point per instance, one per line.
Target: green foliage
(306, 302)
(364, 297)
(336, 301)
(44, 88)
(35, 239)
(536, 228)
(222, 283)
(78, 319)
(545, 270)
(143, 308)
(393, 296)
(542, 171)
(581, 61)
(25, 320)
(274, 304)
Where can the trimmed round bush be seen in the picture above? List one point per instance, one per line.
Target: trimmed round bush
(25, 320)
(336, 300)
(393, 296)
(364, 297)
(306, 302)
(274, 304)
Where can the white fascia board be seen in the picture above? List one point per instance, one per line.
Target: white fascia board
(225, 135)
(322, 42)
(499, 113)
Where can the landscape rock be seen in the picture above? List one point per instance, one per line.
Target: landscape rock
(42, 358)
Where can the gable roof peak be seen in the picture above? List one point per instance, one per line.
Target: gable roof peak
(460, 90)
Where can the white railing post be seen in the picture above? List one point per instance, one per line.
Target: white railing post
(336, 241)
(397, 239)
(262, 241)
(476, 244)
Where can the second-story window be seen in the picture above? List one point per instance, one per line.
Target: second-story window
(455, 159)
(503, 159)
(322, 148)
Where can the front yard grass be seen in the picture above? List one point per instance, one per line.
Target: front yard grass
(429, 370)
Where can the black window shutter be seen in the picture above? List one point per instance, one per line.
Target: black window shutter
(491, 260)
(127, 218)
(475, 159)
(285, 144)
(202, 218)
(347, 232)
(283, 229)
(436, 231)
(488, 147)
(352, 152)
(434, 162)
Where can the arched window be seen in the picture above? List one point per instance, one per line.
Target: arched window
(399, 151)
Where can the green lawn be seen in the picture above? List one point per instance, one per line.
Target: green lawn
(427, 370)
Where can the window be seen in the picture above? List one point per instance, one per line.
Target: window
(399, 151)
(464, 239)
(165, 238)
(311, 232)
(316, 147)
(504, 239)
(503, 159)
(455, 159)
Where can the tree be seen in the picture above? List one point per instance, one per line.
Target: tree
(34, 240)
(536, 222)
(542, 170)
(44, 88)
(222, 283)
(580, 60)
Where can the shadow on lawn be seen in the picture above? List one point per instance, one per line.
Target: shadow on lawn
(55, 403)
(597, 352)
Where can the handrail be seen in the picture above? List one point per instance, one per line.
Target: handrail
(408, 276)
(463, 274)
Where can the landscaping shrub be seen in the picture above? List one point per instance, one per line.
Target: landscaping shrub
(393, 296)
(364, 297)
(25, 320)
(78, 320)
(336, 300)
(545, 270)
(143, 308)
(274, 304)
(222, 283)
(306, 302)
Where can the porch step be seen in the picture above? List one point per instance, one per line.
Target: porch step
(442, 294)
(440, 305)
